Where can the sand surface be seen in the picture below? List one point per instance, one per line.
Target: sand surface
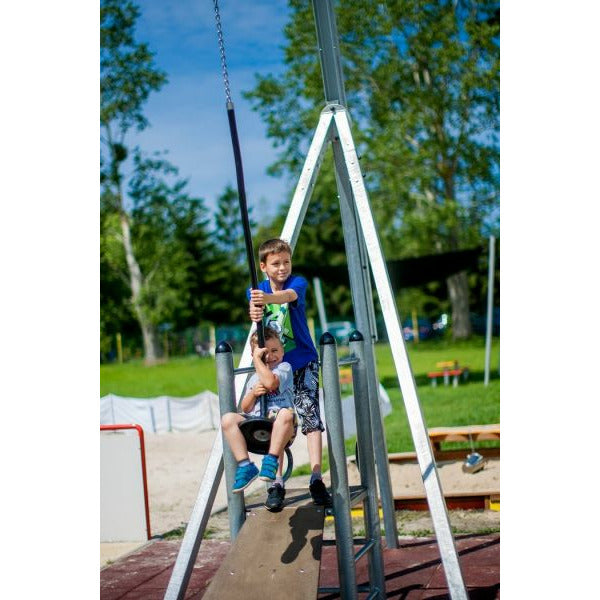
(176, 463)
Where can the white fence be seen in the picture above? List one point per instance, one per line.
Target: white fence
(165, 413)
(199, 412)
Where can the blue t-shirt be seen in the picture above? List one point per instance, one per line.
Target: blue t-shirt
(289, 320)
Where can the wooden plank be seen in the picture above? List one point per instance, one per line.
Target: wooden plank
(276, 555)
(463, 434)
(465, 430)
(461, 500)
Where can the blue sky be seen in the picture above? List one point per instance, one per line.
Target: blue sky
(188, 115)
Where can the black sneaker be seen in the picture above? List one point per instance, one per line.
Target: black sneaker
(319, 493)
(275, 497)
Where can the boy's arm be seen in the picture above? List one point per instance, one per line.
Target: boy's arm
(265, 375)
(258, 298)
(249, 400)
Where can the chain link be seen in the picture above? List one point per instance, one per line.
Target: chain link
(222, 52)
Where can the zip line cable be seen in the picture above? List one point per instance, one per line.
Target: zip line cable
(240, 181)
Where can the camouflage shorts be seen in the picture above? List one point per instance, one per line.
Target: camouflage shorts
(306, 397)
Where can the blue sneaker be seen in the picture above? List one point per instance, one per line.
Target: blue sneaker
(268, 469)
(244, 476)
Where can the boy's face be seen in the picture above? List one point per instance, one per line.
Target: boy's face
(277, 267)
(274, 352)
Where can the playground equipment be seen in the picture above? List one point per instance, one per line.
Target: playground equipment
(283, 566)
(365, 256)
(124, 510)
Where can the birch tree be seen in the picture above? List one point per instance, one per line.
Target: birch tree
(128, 75)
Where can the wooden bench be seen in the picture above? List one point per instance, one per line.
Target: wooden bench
(448, 368)
(463, 433)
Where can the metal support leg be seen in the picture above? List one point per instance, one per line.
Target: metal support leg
(332, 401)
(435, 498)
(362, 300)
(310, 170)
(364, 440)
(236, 508)
(188, 551)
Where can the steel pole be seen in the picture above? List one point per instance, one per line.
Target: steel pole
(364, 441)
(320, 304)
(362, 302)
(190, 545)
(236, 508)
(332, 401)
(490, 306)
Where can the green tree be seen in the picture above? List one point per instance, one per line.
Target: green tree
(230, 305)
(128, 75)
(422, 83)
(229, 231)
(169, 236)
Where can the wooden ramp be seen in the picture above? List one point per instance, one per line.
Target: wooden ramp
(276, 555)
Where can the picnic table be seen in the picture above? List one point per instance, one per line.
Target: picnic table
(447, 369)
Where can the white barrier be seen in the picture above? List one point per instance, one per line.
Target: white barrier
(165, 413)
(348, 413)
(124, 510)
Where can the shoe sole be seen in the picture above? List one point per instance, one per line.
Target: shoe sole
(238, 490)
(326, 502)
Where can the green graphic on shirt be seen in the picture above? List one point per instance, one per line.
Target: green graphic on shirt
(277, 317)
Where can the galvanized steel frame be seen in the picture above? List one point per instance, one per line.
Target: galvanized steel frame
(364, 251)
(433, 489)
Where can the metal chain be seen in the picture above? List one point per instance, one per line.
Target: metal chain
(222, 52)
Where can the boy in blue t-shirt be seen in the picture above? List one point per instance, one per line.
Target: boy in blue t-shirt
(281, 302)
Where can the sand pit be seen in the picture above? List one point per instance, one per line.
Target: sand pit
(176, 463)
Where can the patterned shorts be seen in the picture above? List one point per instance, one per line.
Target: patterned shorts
(306, 397)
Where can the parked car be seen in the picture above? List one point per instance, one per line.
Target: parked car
(340, 330)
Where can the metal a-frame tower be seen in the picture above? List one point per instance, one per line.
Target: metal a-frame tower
(364, 257)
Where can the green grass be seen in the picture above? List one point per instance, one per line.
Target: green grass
(178, 377)
(470, 403)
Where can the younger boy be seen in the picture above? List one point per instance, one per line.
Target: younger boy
(276, 381)
(281, 302)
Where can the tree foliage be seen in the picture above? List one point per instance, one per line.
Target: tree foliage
(422, 84)
(128, 73)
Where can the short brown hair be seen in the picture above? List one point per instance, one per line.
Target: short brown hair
(274, 246)
(269, 334)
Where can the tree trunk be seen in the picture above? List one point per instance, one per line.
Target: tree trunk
(151, 346)
(458, 290)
